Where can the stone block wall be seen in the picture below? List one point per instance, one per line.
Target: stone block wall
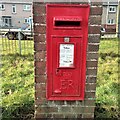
(65, 109)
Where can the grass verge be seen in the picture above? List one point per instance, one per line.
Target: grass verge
(17, 79)
(107, 95)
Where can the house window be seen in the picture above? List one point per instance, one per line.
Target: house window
(26, 20)
(112, 9)
(7, 21)
(2, 7)
(13, 8)
(26, 7)
(111, 21)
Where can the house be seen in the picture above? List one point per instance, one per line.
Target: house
(15, 13)
(109, 16)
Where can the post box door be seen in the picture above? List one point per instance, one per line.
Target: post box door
(66, 65)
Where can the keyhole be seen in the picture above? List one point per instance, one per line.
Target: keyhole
(57, 71)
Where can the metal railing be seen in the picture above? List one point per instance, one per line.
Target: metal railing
(109, 35)
(16, 46)
(26, 45)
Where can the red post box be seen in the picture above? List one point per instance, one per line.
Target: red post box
(67, 34)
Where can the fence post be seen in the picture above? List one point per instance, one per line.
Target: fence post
(19, 38)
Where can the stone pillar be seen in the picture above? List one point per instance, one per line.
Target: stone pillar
(65, 109)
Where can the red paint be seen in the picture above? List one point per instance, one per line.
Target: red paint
(67, 31)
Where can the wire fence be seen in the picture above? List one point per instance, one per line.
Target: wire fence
(16, 46)
(110, 35)
(26, 46)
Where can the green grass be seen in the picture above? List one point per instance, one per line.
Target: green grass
(107, 99)
(18, 80)
(17, 83)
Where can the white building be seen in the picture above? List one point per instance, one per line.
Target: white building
(109, 15)
(15, 13)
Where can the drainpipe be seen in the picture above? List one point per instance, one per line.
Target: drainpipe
(107, 14)
(118, 20)
(117, 12)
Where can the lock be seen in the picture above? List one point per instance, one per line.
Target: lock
(66, 39)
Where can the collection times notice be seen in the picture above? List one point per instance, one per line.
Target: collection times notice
(66, 58)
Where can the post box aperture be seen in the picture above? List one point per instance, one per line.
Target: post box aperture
(67, 21)
(67, 34)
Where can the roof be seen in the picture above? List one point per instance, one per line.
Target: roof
(16, 1)
(105, 2)
(110, 2)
